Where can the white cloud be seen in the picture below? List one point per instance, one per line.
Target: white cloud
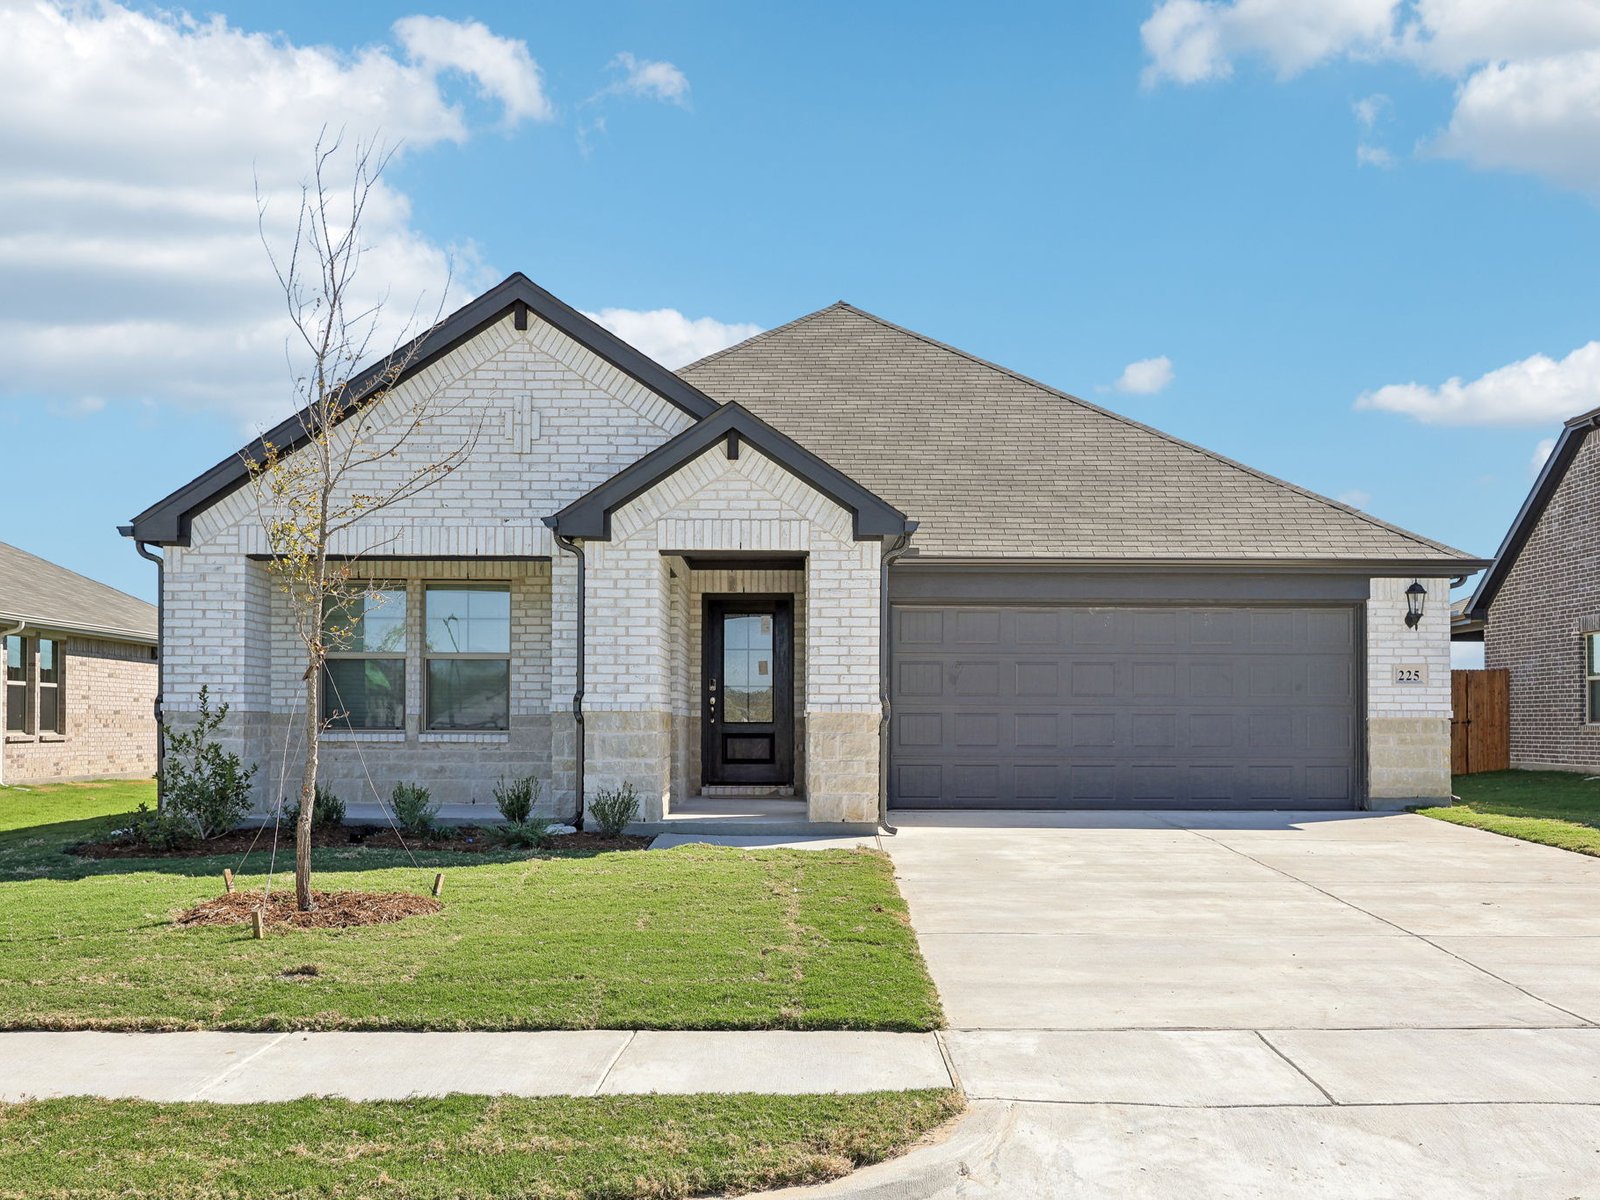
(1369, 108)
(132, 144)
(1355, 498)
(653, 80)
(502, 67)
(1190, 41)
(1145, 377)
(1527, 73)
(671, 338)
(1540, 116)
(1534, 391)
(1541, 452)
(1466, 656)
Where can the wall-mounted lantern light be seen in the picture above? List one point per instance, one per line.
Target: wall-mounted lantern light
(1416, 601)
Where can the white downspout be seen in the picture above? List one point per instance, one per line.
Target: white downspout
(5, 633)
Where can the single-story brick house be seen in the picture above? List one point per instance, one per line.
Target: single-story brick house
(1537, 609)
(80, 675)
(839, 562)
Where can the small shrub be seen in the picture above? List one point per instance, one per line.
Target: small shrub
(201, 784)
(326, 809)
(157, 829)
(414, 808)
(614, 808)
(532, 834)
(516, 799)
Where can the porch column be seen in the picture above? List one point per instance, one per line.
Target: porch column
(627, 710)
(842, 702)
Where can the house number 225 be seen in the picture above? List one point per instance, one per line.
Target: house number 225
(1410, 674)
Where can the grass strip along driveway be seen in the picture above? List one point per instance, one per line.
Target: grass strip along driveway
(699, 937)
(462, 1147)
(1554, 808)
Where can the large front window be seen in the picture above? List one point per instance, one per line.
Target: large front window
(364, 678)
(468, 656)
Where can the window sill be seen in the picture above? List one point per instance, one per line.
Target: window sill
(52, 737)
(20, 739)
(363, 735)
(451, 735)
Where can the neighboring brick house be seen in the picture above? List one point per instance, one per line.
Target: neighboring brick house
(836, 568)
(1541, 603)
(80, 675)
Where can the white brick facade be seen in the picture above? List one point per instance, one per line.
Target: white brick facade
(548, 421)
(1408, 719)
(643, 643)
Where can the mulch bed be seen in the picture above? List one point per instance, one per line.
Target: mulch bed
(471, 839)
(332, 910)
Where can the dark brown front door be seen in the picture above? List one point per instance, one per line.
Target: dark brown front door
(747, 709)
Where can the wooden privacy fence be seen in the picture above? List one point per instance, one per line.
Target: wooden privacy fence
(1480, 721)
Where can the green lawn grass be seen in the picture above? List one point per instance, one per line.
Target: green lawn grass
(699, 937)
(461, 1147)
(1555, 808)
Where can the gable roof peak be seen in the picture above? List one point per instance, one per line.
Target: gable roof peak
(167, 521)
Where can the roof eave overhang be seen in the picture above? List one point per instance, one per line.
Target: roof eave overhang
(167, 521)
(732, 426)
(1376, 568)
(1527, 518)
(107, 633)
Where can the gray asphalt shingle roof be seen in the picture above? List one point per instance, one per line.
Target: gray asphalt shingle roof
(993, 464)
(53, 597)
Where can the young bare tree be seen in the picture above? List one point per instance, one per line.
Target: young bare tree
(359, 445)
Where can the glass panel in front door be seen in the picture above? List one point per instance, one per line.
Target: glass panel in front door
(747, 668)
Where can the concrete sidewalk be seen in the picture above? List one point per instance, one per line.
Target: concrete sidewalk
(242, 1068)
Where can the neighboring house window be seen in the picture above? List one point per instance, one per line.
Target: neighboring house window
(1591, 673)
(468, 656)
(16, 685)
(52, 671)
(364, 677)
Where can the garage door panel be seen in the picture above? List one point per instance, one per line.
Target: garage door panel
(1093, 679)
(1037, 627)
(977, 627)
(980, 730)
(921, 627)
(1154, 680)
(975, 678)
(1038, 679)
(916, 679)
(1074, 707)
(1329, 783)
(1213, 731)
(1038, 731)
(919, 730)
(1037, 782)
(1093, 729)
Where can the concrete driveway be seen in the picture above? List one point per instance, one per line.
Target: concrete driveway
(1274, 1005)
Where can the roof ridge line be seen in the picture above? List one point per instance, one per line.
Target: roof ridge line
(762, 336)
(1140, 425)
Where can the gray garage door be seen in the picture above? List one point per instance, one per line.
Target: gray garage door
(1125, 707)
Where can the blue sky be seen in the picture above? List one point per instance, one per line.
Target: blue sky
(1050, 186)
